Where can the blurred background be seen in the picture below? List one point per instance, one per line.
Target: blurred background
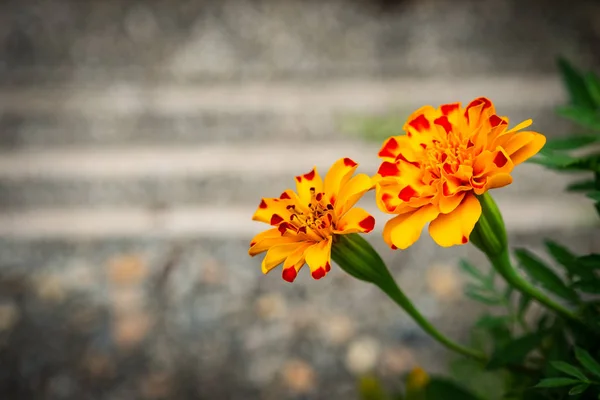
(137, 138)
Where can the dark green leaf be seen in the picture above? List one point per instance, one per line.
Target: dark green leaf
(554, 160)
(524, 302)
(492, 321)
(591, 287)
(472, 270)
(591, 261)
(569, 370)
(582, 186)
(514, 352)
(576, 85)
(562, 255)
(570, 142)
(587, 361)
(539, 272)
(440, 388)
(593, 87)
(582, 116)
(482, 296)
(578, 389)
(556, 382)
(595, 195)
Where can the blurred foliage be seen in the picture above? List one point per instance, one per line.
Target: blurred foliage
(534, 354)
(374, 128)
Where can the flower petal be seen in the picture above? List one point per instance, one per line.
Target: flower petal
(269, 207)
(405, 229)
(277, 254)
(456, 227)
(355, 220)
(318, 258)
(351, 192)
(267, 239)
(338, 175)
(306, 182)
(498, 181)
(524, 145)
(294, 262)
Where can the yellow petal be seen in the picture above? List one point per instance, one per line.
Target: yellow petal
(405, 229)
(449, 203)
(520, 126)
(267, 239)
(525, 145)
(294, 262)
(355, 220)
(272, 206)
(277, 254)
(306, 182)
(456, 227)
(337, 176)
(351, 192)
(318, 258)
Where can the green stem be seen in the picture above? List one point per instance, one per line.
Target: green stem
(502, 264)
(394, 292)
(356, 256)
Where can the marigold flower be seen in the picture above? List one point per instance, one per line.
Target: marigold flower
(305, 223)
(447, 156)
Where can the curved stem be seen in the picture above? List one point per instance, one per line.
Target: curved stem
(396, 294)
(358, 258)
(503, 265)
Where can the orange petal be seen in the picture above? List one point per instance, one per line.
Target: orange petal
(449, 202)
(338, 175)
(293, 263)
(421, 122)
(456, 227)
(318, 258)
(498, 181)
(405, 229)
(306, 182)
(351, 192)
(523, 145)
(277, 254)
(267, 239)
(355, 220)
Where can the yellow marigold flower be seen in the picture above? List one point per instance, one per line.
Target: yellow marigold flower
(448, 155)
(306, 222)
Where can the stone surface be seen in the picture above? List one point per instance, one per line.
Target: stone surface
(121, 121)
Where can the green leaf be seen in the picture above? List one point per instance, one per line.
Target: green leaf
(586, 361)
(576, 84)
(471, 270)
(492, 321)
(440, 388)
(524, 302)
(514, 352)
(578, 389)
(569, 370)
(591, 286)
(595, 195)
(589, 261)
(539, 272)
(582, 116)
(556, 382)
(571, 142)
(478, 294)
(562, 255)
(592, 83)
(582, 186)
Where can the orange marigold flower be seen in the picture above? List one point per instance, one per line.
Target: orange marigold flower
(306, 222)
(448, 155)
